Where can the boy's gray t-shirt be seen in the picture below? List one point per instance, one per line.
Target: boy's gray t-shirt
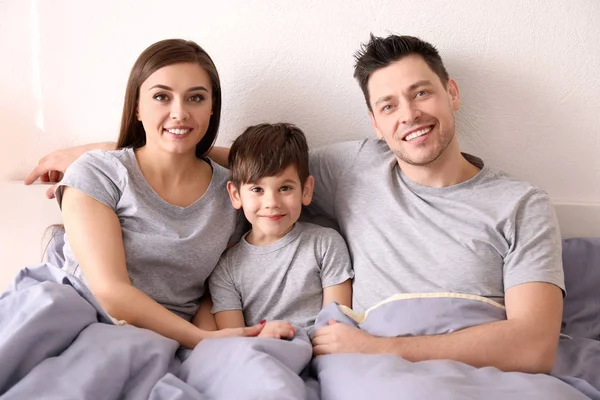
(170, 250)
(283, 280)
(479, 237)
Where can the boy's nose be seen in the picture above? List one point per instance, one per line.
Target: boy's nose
(271, 200)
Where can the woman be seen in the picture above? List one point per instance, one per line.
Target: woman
(146, 223)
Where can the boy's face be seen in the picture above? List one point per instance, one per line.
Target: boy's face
(272, 204)
(412, 110)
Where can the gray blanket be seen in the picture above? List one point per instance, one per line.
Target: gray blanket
(56, 342)
(358, 376)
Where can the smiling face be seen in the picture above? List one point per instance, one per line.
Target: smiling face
(175, 107)
(413, 111)
(272, 204)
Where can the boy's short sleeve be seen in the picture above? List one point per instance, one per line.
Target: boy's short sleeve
(97, 174)
(336, 265)
(223, 291)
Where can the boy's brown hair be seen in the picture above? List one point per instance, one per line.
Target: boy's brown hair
(266, 150)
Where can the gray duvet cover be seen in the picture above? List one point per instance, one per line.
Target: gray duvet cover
(57, 343)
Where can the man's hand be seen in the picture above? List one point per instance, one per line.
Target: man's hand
(50, 169)
(341, 338)
(278, 330)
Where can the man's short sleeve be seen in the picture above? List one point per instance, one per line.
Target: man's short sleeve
(336, 266)
(535, 254)
(327, 165)
(97, 174)
(223, 291)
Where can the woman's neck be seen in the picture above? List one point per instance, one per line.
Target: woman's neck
(167, 168)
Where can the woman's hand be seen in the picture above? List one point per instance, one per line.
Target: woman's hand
(278, 330)
(250, 331)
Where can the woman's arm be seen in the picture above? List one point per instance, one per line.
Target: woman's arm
(94, 233)
(272, 329)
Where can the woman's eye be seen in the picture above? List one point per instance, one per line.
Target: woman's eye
(196, 98)
(160, 97)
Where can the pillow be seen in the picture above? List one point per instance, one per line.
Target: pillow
(581, 261)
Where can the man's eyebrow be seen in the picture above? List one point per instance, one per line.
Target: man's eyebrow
(418, 84)
(383, 99)
(192, 89)
(423, 82)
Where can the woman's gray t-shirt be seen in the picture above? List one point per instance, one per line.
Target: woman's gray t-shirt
(170, 250)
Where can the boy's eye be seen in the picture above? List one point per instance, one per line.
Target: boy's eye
(256, 189)
(160, 97)
(285, 188)
(196, 98)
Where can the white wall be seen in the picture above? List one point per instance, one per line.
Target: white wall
(528, 72)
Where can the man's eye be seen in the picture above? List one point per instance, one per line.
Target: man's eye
(387, 107)
(421, 93)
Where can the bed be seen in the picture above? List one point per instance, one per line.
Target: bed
(57, 342)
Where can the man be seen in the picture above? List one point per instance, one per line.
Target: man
(420, 216)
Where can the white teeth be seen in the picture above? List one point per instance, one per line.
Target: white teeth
(178, 131)
(418, 133)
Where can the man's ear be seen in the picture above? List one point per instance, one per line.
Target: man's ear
(454, 94)
(375, 127)
(307, 191)
(234, 195)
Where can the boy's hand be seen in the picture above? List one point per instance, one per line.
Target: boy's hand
(278, 330)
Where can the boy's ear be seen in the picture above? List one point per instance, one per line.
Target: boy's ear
(375, 127)
(307, 191)
(234, 195)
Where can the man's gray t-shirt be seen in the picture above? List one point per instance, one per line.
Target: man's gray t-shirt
(170, 250)
(283, 280)
(479, 237)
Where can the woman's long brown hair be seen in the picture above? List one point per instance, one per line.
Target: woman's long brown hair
(159, 55)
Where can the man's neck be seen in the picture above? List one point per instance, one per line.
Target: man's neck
(450, 168)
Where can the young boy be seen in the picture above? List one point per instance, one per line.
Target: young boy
(282, 271)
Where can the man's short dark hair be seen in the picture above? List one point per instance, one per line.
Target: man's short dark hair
(381, 52)
(266, 150)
